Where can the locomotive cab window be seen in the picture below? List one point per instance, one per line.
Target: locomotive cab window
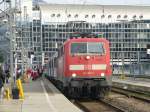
(85, 48)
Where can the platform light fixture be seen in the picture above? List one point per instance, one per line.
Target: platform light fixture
(69, 16)
(76, 16)
(93, 16)
(125, 16)
(134, 17)
(86, 16)
(141, 16)
(53, 15)
(58, 15)
(118, 16)
(109, 16)
(102, 16)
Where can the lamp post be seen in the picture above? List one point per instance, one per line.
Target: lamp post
(111, 36)
(118, 40)
(135, 26)
(122, 21)
(125, 20)
(10, 21)
(139, 50)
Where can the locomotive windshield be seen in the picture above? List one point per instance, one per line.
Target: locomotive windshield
(87, 48)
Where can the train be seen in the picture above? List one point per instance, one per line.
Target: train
(82, 67)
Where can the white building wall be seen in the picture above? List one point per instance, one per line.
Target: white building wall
(97, 10)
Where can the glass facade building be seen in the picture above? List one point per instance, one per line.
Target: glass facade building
(128, 38)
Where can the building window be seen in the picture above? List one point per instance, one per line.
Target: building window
(52, 15)
(58, 15)
(93, 16)
(141, 16)
(125, 16)
(35, 49)
(134, 17)
(38, 39)
(69, 16)
(34, 39)
(34, 29)
(103, 16)
(38, 29)
(48, 49)
(76, 16)
(38, 49)
(118, 16)
(109, 16)
(86, 16)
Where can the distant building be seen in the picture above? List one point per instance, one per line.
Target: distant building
(126, 27)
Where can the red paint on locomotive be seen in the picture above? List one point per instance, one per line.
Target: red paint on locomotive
(79, 64)
(83, 66)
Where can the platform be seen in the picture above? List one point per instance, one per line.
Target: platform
(40, 96)
(132, 84)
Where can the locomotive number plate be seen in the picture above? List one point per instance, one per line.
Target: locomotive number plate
(87, 67)
(88, 73)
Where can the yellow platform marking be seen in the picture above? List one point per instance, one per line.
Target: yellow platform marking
(21, 92)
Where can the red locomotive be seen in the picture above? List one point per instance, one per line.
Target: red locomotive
(82, 67)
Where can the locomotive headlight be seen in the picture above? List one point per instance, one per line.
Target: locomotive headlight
(102, 74)
(87, 57)
(74, 75)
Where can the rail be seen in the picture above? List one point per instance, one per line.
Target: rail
(134, 76)
(99, 105)
(145, 96)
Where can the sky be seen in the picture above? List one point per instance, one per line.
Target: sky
(103, 2)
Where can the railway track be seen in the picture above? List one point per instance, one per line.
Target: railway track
(90, 105)
(132, 93)
(130, 100)
(118, 101)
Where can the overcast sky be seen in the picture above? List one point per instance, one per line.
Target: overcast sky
(109, 2)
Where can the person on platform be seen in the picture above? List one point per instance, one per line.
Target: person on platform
(19, 71)
(7, 75)
(40, 71)
(34, 74)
